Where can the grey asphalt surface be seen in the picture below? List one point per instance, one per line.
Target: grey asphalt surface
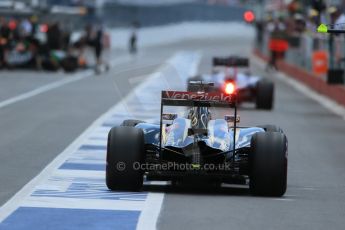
(18, 82)
(315, 197)
(34, 131)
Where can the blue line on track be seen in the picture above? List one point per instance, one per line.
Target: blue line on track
(70, 219)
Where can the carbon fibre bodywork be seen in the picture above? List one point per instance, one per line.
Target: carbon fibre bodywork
(196, 147)
(219, 136)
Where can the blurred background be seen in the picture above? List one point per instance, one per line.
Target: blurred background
(39, 34)
(35, 31)
(65, 63)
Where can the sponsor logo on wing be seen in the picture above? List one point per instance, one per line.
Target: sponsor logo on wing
(196, 96)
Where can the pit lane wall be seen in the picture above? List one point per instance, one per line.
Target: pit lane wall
(334, 92)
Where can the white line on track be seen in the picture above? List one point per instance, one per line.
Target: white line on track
(150, 214)
(25, 192)
(45, 88)
(48, 202)
(56, 84)
(153, 204)
(322, 100)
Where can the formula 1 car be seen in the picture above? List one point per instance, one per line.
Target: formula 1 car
(197, 147)
(249, 88)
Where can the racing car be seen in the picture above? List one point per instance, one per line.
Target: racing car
(249, 88)
(197, 146)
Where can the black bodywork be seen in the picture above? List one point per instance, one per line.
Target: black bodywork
(227, 159)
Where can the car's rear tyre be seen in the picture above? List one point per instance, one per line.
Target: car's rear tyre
(264, 95)
(268, 164)
(271, 128)
(131, 122)
(125, 149)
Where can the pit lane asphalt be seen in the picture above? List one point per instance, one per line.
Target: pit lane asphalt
(34, 131)
(315, 197)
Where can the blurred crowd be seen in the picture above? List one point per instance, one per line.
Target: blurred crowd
(32, 44)
(294, 26)
(297, 22)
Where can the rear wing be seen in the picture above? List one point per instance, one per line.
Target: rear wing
(231, 61)
(198, 99)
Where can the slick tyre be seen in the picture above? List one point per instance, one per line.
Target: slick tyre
(268, 164)
(131, 122)
(264, 95)
(271, 128)
(125, 148)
